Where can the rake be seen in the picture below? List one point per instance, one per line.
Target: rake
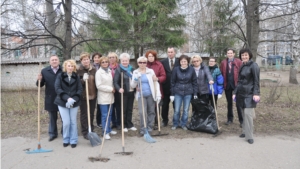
(99, 158)
(213, 96)
(147, 136)
(39, 147)
(122, 123)
(158, 118)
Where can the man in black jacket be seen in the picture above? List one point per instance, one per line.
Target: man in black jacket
(168, 63)
(47, 78)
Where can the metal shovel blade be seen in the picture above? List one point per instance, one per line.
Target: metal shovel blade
(94, 139)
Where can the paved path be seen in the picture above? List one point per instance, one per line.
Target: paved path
(222, 152)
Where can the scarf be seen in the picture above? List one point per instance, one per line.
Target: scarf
(97, 65)
(127, 70)
(113, 69)
(105, 69)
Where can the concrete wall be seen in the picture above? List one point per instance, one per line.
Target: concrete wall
(19, 76)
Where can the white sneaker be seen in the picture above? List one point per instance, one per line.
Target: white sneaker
(113, 132)
(132, 128)
(107, 137)
(125, 130)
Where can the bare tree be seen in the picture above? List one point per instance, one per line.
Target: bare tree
(52, 25)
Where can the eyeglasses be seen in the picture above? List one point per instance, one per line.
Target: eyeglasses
(142, 62)
(111, 57)
(104, 62)
(211, 61)
(196, 61)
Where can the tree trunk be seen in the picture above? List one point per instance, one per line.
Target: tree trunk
(68, 27)
(293, 75)
(50, 18)
(252, 26)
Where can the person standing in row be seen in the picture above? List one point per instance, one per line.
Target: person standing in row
(203, 76)
(230, 68)
(116, 111)
(106, 90)
(128, 92)
(47, 78)
(218, 82)
(150, 95)
(247, 92)
(96, 63)
(159, 71)
(69, 90)
(183, 86)
(87, 72)
(169, 64)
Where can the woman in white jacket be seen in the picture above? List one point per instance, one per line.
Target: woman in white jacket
(150, 96)
(104, 83)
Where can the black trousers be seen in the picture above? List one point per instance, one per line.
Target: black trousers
(228, 93)
(116, 112)
(98, 115)
(128, 99)
(84, 116)
(165, 108)
(211, 101)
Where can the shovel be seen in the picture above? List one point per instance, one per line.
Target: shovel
(93, 137)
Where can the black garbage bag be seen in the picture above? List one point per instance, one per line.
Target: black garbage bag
(203, 118)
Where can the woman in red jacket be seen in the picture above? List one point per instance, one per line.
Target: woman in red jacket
(159, 71)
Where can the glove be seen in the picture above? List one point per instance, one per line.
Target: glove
(195, 97)
(158, 99)
(137, 75)
(85, 76)
(234, 98)
(172, 98)
(70, 103)
(219, 96)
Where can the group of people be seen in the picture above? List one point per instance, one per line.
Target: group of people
(110, 83)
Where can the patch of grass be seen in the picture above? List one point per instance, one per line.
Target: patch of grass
(19, 116)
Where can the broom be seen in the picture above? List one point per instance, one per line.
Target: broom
(147, 136)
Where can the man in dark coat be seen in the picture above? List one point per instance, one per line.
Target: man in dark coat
(230, 69)
(47, 78)
(168, 64)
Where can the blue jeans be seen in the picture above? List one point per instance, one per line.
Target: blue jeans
(69, 118)
(104, 112)
(179, 99)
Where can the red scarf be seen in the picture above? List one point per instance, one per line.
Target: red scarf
(113, 68)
